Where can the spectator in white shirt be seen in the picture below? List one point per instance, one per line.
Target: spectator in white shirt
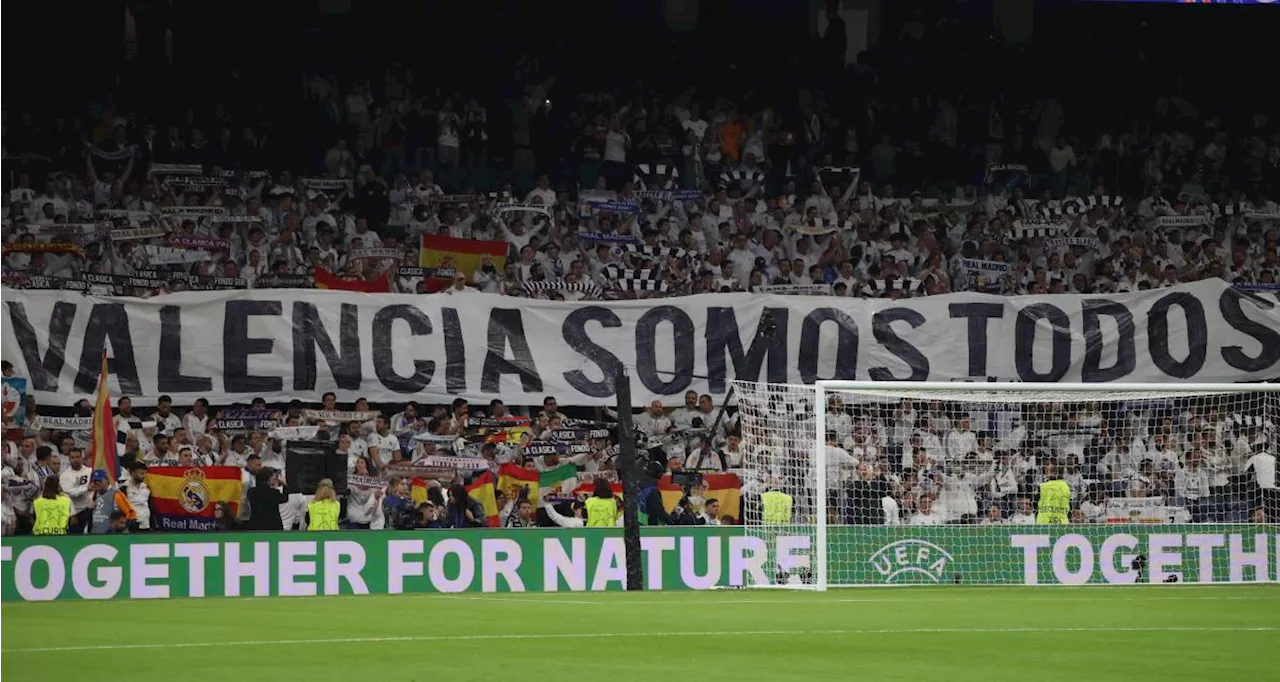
(1024, 517)
(75, 483)
(961, 441)
(994, 516)
(654, 422)
(196, 422)
(925, 516)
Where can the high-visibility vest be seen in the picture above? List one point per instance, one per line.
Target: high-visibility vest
(324, 515)
(52, 515)
(602, 511)
(1055, 502)
(777, 507)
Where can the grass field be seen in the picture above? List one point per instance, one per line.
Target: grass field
(945, 634)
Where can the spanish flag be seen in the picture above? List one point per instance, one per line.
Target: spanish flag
(418, 490)
(463, 255)
(102, 449)
(512, 479)
(184, 499)
(328, 280)
(724, 488)
(481, 490)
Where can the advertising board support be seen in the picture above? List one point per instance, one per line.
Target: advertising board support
(630, 483)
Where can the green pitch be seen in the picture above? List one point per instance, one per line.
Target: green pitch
(945, 633)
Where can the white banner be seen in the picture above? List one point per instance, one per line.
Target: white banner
(281, 344)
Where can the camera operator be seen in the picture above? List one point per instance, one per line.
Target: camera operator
(652, 511)
(685, 512)
(398, 508)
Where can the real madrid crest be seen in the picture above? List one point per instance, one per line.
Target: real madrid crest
(194, 494)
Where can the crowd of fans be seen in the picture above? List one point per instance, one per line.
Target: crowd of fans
(656, 193)
(931, 462)
(441, 446)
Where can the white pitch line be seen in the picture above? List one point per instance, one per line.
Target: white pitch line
(619, 635)
(527, 600)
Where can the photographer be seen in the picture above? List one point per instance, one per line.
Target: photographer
(652, 511)
(265, 499)
(398, 510)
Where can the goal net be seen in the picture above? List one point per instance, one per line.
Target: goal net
(883, 483)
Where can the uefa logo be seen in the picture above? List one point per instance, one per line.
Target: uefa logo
(911, 561)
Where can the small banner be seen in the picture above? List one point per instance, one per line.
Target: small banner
(204, 243)
(1176, 221)
(138, 233)
(40, 247)
(13, 407)
(64, 423)
(1090, 243)
(794, 289)
(340, 416)
(378, 253)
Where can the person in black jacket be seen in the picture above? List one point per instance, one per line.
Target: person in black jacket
(651, 508)
(265, 501)
(461, 511)
(866, 495)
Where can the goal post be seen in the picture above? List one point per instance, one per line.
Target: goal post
(860, 483)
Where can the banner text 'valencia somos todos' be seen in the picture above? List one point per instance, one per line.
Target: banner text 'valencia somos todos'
(285, 344)
(591, 560)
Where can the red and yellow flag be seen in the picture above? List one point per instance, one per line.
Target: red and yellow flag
(102, 449)
(328, 280)
(481, 490)
(185, 499)
(463, 255)
(512, 478)
(418, 490)
(724, 488)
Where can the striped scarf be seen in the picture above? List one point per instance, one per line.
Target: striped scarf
(643, 285)
(656, 176)
(743, 178)
(656, 251)
(883, 287)
(532, 288)
(618, 273)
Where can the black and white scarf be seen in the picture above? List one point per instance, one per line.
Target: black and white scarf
(883, 287)
(656, 176)
(533, 288)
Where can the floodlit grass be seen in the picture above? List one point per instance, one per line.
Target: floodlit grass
(951, 634)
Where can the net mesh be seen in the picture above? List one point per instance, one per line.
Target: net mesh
(942, 485)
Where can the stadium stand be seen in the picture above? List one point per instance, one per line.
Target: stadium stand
(548, 179)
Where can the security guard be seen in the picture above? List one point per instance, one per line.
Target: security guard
(602, 506)
(324, 510)
(1055, 498)
(776, 505)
